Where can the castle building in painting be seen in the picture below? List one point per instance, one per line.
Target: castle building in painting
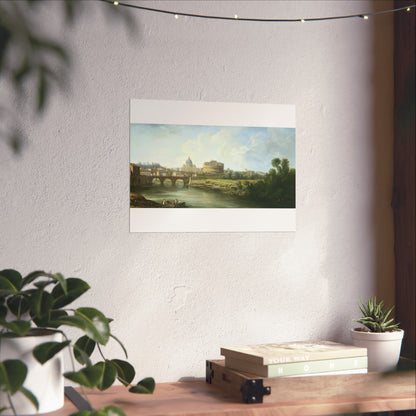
(213, 167)
(134, 174)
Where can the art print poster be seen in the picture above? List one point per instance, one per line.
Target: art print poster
(212, 167)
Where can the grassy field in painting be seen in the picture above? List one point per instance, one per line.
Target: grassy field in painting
(227, 186)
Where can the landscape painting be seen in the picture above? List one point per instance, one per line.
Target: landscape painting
(186, 167)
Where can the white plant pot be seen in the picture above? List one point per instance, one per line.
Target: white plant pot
(383, 348)
(44, 381)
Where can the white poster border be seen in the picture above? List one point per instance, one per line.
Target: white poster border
(212, 219)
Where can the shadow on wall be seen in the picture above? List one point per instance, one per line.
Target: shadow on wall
(403, 201)
(382, 144)
(42, 62)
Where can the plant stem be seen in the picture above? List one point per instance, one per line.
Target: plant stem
(11, 404)
(73, 369)
(101, 353)
(19, 310)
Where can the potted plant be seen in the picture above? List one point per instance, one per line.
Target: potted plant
(381, 335)
(34, 310)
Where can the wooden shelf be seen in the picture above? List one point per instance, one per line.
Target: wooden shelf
(198, 398)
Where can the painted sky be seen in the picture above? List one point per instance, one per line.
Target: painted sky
(239, 148)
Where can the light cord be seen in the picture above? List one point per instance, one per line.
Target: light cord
(364, 16)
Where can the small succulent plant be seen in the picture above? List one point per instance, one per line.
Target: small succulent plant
(375, 318)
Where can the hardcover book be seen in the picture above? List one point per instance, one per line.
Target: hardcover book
(299, 368)
(332, 373)
(292, 352)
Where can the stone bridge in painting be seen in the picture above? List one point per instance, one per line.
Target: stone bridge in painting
(148, 179)
(140, 176)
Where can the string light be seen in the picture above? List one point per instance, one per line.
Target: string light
(249, 19)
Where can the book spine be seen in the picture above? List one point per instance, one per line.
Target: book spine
(290, 357)
(313, 367)
(309, 367)
(315, 356)
(334, 373)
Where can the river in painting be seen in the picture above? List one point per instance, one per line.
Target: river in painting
(195, 197)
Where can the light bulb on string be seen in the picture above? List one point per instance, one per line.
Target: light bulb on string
(249, 19)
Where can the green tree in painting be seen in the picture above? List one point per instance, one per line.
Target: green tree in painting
(277, 187)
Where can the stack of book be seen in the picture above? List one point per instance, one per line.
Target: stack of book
(296, 359)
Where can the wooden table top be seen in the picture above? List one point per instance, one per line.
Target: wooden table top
(198, 398)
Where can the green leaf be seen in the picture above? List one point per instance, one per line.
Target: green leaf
(145, 386)
(18, 327)
(52, 46)
(374, 317)
(363, 309)
(83, 413)
(105, 411)
(56, 315)
(108, 374)
(20, 73)
(12, 375)
(45, 351)
(70, 11)
(88, 376)
(40, 304)
(82, 356)
(75, 288)
(125, 371)
(33, 276)
(3, 312)
(75, 321)
(110, 411)
(18, 305)
(83, 349)
(61, 279)
(389, 312)
(7, 287)
(13, 276)
(44, 283)
(30, 396)
(55, 277)
(98, 328)
(43, 88)
(91, 321)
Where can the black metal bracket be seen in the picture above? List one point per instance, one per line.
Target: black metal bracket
(77, 399)
(253, 391)
(209, 372)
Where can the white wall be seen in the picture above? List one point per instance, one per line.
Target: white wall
(177, 298)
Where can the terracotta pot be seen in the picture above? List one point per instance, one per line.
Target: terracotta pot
(383, 348)
(44, 381)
